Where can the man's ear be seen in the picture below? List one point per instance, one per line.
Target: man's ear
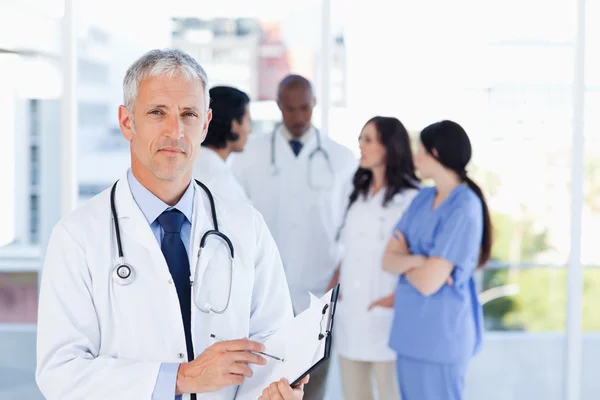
(206, 123)
(126, 123)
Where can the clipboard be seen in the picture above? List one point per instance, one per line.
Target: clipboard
(326, 335)
(301, 345)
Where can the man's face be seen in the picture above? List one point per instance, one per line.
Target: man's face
(169, 124)
(296, 104)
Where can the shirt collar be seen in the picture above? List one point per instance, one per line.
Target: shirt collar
(152, 206)
(303, 139)
(212, 157)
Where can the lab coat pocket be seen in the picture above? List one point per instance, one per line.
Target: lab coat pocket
(152, 314)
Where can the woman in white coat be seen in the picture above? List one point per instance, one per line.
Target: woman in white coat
(384, 186)
(227, 133)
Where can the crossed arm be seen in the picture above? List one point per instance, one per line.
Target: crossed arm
(426, 274)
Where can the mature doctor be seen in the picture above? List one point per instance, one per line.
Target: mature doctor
(227, 133)
(299, 179)
(119, 315)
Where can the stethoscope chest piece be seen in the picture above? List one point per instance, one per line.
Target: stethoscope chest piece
(123, 274)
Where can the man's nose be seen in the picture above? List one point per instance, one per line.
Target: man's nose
(174, 127)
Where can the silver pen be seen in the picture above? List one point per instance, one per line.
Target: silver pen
(253, 352)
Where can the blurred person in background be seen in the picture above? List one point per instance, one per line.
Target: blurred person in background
(297, 178)
(227, 133)
(441, 239)
(384, 185)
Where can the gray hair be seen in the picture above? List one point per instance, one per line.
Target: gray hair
(169, 62)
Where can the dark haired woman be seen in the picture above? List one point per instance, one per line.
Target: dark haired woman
(439, 242)
(384, 186)
(227, 133)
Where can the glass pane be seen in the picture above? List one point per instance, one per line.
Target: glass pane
(590, 251)
(591, 209)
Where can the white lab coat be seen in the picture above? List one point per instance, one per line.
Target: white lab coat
(363, 335)
(304, 222)
(101, 340)
(214, 172)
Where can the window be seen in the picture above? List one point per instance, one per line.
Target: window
(34, 218)
(34, 112)
(93, 115)
(34, 159)
(92, 72)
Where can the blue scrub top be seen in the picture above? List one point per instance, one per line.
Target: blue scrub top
(445, 327)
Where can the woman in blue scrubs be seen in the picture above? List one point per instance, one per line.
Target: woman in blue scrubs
(439, 242)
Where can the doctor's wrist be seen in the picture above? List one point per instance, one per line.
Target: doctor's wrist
(182, 381)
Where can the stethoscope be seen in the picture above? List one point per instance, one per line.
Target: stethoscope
(124, 273)
(319, 149)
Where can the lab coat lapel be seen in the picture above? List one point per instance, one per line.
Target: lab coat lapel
(308, 147)
(135, 229)
(284, 153)
(202, 223)
(284, 149)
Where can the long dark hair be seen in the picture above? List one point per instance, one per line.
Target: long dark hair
(399, 165)
(453, 149)
(227, 104)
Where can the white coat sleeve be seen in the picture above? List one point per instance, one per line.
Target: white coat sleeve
(271, 302)
(68, 334)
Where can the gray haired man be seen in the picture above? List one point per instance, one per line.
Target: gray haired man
(119, 314)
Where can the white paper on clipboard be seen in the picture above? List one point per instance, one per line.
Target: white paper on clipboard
(297, 343)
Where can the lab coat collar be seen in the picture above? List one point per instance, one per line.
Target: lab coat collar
(130, 215)
(152, 207)
(304, 139)
(210, 157)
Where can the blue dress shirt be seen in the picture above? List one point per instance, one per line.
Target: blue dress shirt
(151, 206)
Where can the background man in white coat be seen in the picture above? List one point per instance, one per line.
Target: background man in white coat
(227, 133)
(298, 178)
(102, 336)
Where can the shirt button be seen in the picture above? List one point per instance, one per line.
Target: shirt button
(171, 281)
(180, 355)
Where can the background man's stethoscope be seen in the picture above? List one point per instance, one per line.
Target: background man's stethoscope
(124, 273)
(318, 149)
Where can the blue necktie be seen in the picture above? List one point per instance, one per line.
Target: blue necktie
(296, 146)
(177, 259)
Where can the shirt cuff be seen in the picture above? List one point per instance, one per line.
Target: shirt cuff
(165, 382)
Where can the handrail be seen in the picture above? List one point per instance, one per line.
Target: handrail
(512, 289)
